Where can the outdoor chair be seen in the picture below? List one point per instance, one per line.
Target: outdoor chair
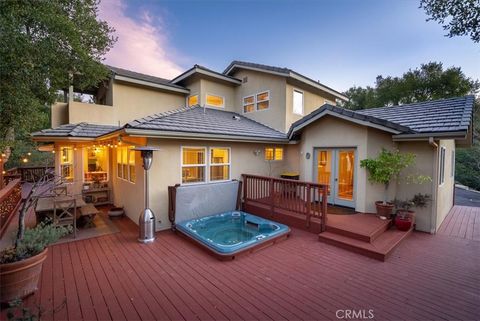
(65, 213)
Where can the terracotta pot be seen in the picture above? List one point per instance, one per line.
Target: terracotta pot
(19, 279)
(384, 209)
(404, 220)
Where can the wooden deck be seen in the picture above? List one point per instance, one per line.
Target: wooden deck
(462, 222)
(115, 278)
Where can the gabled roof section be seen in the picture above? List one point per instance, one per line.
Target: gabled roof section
(197, 69)
(146, 80)
(439, 118)
(80, 130)
(282, 71)
(444, 115)
(200, 122)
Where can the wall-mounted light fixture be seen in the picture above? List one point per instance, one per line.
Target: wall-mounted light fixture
(257, 152)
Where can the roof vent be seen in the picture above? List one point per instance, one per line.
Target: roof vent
(236, 117)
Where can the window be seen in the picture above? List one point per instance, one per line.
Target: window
(219, 164)
(263, 100)
(95, 164)
(249, 104)
(192, 100)
(215, 101)
(452, 170)
(441, 176)
(297, 102)
(126, 163)
(193, 164)
(274, 153)
(66, 163)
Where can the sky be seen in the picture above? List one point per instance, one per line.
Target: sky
(341, 43)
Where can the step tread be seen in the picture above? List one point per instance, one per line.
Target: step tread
(363, 227)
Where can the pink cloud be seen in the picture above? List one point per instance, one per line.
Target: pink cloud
(142, 44)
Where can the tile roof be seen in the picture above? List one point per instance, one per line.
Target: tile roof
(281, 70)
(144, 77)
(80, 130)
(199, 68)
(199, 120)
(444, 115)
(437, 116)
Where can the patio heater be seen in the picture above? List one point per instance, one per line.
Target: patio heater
(146, 221)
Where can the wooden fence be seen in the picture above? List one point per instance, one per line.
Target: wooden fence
(296, 203)
(10, 198)
(29, 174)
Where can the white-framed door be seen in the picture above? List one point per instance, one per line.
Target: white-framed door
(336, 167)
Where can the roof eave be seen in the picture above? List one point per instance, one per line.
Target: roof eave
(201, 136)
(151, 84)
(317, 85)
(209, 73)
(61, 138)
(457, 135)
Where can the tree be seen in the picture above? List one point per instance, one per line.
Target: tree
(458, 17)
(428, 82)
(46, 45)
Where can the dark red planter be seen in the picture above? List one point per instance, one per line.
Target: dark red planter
(404, 221)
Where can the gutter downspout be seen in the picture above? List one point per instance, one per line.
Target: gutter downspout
(432, 142)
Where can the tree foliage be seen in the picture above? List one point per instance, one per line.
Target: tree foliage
(428, 82)
(458, 17)
(46, 44)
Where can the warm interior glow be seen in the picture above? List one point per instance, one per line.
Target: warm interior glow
(219, 164)
(346, 163)
(324, 165)
(193, 165)
(249, 104)
(192, 100)
(95, 164)
(66, 163)
(269, 155)
(215, 101)
(278, 153)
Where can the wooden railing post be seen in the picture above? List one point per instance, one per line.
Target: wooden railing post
(309, 205)
(272, 196)
(324, 208)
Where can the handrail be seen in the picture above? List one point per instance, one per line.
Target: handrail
(29, 174)
(279, 195)
(10, 198)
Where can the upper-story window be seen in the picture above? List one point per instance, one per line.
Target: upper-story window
(192, 100)
(260, 101)
(297, 102)
(215, 101)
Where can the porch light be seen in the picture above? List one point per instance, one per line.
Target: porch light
(146, 221)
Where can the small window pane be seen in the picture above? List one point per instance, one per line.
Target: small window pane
(269, 154)
(278, 153)
(263, 105)
(263, 96)
(215, 101)
(219, 173)
(193, 156)
(298, 102)
(248, 108)
(220, 156)
(192, 100)
(193, 174)
(249, 100)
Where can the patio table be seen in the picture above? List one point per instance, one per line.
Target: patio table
(45, 204)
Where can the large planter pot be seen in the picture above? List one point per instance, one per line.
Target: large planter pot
(19, 279)
(384, 209)
(404, 220)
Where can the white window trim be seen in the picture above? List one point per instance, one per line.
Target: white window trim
(129, 150)
(260, 101)
(212, 106)
(254, 103)
(274, 158)
(72, 163)
(204, 165)
(452, 170)
(441, 167)
(107, 156)
(210, 164)
(293, 101)
(186, 99)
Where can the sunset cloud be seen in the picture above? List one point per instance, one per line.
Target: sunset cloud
(142, 44)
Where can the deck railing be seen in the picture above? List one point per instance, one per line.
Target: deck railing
(276, 197)
(29, 174)
(10, 198)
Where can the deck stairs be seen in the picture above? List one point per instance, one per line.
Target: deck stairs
(364, 234)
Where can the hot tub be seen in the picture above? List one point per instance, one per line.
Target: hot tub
(231, 233)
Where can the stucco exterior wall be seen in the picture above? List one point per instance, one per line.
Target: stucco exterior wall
(331, 132)
(259, 82)
(218, 89)
(445, 190)
(91, 113)
(425, 164)
(59, 114)
(166, 169)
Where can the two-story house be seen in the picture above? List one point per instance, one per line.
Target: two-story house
(213, 126)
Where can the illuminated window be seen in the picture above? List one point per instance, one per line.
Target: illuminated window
(193, 164)
(297, 102)
(219, 164)
(215, 101)
(263, 100)
(273, 153)
(95, 164)
(249, 104)
(66, 163)
(126, 163)
(192, 100)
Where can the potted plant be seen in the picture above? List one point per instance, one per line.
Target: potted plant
(383, 169)
(21, 264)
(405, 216)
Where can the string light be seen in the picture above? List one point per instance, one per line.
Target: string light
(29, 154)
(25, 160)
